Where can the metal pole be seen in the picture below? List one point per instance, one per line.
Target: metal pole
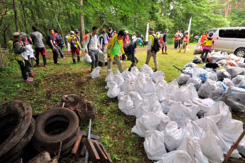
(89, 136)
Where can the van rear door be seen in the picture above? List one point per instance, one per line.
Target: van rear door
(240, 41)
(225, 40)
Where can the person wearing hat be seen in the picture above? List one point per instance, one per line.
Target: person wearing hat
(130, 51)
(149, 48)
(37, 39)
(27, 42)
(21, 56)
(185, 42)
(114, 47)
(75, 46)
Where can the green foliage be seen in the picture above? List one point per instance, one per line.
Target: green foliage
(132, 15)
(237, 18)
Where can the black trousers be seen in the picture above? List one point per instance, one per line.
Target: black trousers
(204, 55)
(40, 50)
(180, 42)
(23, 68)
(55, 56)
(176, 43)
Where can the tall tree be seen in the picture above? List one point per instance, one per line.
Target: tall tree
(16, 16)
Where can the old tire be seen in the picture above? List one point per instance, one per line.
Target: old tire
(13, 134)
(52, 127)
(17, 151)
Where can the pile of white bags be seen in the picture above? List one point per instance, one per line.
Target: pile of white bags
(172, 118)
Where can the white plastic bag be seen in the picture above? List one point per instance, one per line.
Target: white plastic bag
(210, 147)
(118, 78)
(183, 78)
(135, 71)
(128, 75)
(146, 70)
(239, 81)
(113, 91)
(128, 85)
(95, 73)
(126, 104)
(228, 82)
(185, 93)
(157, 74)
(220, 108)
(154, 144)
(212, 89)
(234, 71)
(109, 76)
(87, 58)
(193, 148)
(177, 156)
(195, 81)
(149, 121)
(174, 135)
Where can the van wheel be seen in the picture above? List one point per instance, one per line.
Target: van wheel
(240, 52)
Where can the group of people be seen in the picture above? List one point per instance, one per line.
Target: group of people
(116, 45)
(21, 47)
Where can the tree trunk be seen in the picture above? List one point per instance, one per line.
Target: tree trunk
(82, 24)
(16, 16)
(24, 16)
(1, 59)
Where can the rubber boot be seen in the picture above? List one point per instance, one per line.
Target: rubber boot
(74, 61)
(78, 59)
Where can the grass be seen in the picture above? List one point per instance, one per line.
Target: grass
(111, 124)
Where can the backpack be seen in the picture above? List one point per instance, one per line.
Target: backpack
(208, 42)
(73, 42)
(60, 40)
(156, 46)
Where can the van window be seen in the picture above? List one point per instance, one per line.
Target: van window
(212, 31)
(228, 33)
(241, 33)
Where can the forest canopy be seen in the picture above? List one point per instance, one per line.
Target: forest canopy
(131, 15)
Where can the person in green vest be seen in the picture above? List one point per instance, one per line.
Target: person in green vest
(114, 47)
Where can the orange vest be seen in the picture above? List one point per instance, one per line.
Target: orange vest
(176, 37)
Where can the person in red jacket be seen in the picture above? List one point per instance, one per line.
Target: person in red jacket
(203, 38)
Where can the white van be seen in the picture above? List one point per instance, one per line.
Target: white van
(231, 40)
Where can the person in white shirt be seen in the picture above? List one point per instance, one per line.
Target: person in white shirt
(134, 38)
(92, 46)
(67, 42)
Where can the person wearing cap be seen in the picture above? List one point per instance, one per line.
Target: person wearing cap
(21, 56)
(52, 44)
(37, 39)
(67, 43)
(92, 46)
(130, 51)
(27, 42)
(113, 50)
(185, 42)
(75, 46)
(149, 48)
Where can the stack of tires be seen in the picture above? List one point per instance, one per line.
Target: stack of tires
(56, 130)
(16, 129)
